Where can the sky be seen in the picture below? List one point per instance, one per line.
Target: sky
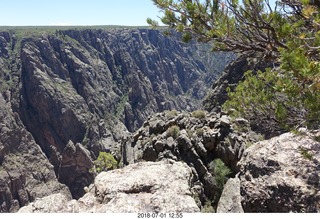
(77, 12)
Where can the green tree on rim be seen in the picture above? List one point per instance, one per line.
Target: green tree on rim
(287, 33)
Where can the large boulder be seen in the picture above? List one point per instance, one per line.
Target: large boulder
(142, 187)
(230, 200)
(282, 174)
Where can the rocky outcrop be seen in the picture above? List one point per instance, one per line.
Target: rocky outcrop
(25, 172)
(4, 44)
(164, 186)
(195, 138)
(276, 175)
(75, 168)
(282, 174)
(78, 92)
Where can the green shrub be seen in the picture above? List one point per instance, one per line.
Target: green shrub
(305, 153)
(220, 172)
(317, 138)
(105, 162)
(286, 97)
(278, 100)
(199, 131)
(207, 208)
(199, 114)
(173, 131)
(172, 113)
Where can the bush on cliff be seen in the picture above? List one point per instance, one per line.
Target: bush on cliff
(220, 172)
(105, 162)
(173, 131)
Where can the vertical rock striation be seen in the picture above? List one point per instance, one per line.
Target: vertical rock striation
(25, 172)
(78, 92)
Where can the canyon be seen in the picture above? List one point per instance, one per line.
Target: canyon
(66, 95)
(71, 94)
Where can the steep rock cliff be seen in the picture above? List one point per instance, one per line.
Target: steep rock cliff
(77, 92)
(25, 172)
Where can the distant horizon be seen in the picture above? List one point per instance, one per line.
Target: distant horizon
(15, 13)
(100, 25)
(21, 13)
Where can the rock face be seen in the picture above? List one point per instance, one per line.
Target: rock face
(25, 172)
(230, 77)
(74, 169)
(143, 187)
(281, 175)
(78, 92)
(195, 138)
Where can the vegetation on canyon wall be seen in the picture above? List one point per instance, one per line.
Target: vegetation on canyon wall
(80, 101)
(76, 93)
(285, 35)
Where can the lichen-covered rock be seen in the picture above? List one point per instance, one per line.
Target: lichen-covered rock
(142, 187)
(281, 175)
(230, 200)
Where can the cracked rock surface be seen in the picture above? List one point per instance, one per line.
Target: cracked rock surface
(281, 175)
(163, 186)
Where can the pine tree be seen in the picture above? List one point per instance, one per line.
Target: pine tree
(288, 33)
